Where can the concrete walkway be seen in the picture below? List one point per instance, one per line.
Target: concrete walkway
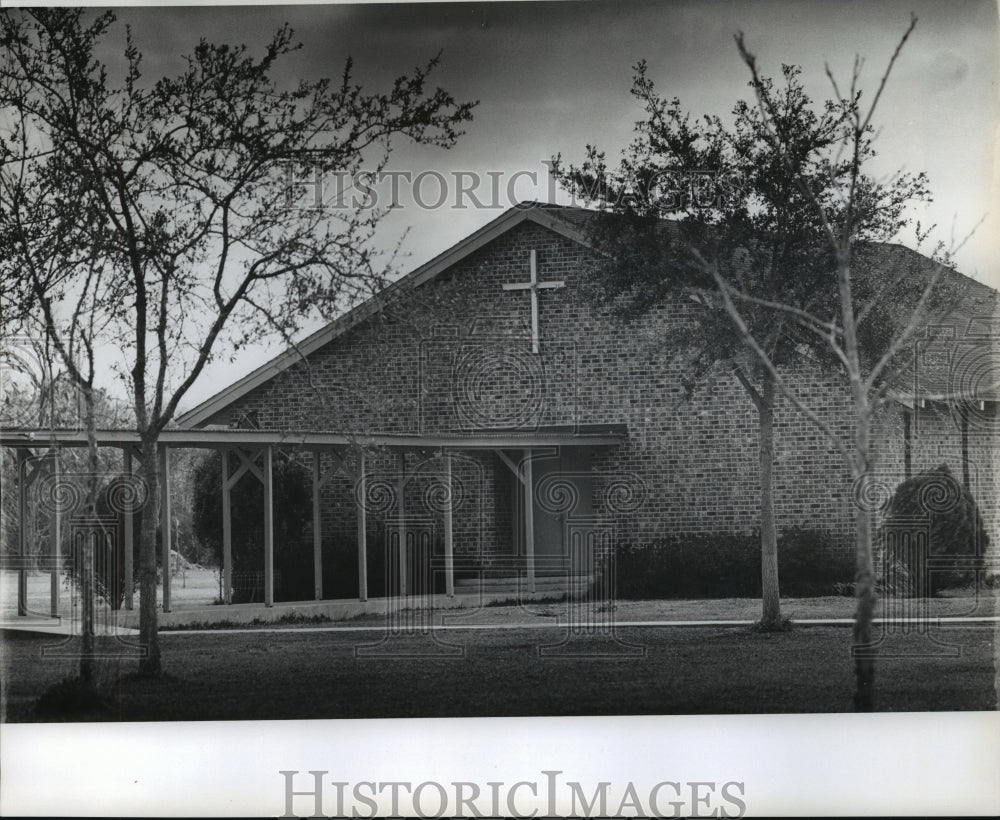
(592, 626)
(60, 626)
(479, 609)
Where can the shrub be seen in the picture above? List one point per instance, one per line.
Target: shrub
(340, 566)
(810, 563)
(725, 565)
(293, 549)
(293, 562)
(703, 566)
(931, 515)
(72, 699)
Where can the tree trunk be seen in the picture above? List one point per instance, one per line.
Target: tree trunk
(864, 577)
(150, 664)
(770, 590)
(88, 630)
(864, 661)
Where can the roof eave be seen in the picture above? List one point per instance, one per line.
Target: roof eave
(605, 436)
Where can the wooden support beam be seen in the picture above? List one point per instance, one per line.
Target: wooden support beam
(506, 459)
(517, 516)
(268, 527)
(342, 466)
(227, 532)
(529, 518)
(248, 464)
(401, 529)
(22, 532)
(362, 532)
(965, 448)
(449, 547)
(317, 483)
(907, 445)
(165, 522)
(35, 467)
(55, 545)
(128, 533)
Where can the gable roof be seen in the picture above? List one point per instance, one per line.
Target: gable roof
(978, 300)
(957, 352)
(566, 221)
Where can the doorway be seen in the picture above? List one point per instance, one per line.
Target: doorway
(563, 491)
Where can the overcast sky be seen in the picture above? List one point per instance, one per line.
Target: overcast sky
(552, 77)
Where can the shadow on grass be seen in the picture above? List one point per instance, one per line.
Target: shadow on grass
(783, 625)
(502, 673)
(73, 699)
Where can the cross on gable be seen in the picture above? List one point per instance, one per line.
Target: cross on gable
(533, 286)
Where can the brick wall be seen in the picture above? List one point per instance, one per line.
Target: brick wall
(455, 356)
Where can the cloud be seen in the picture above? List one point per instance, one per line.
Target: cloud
(944, 71)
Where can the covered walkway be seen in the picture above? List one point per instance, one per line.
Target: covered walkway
(251, 452)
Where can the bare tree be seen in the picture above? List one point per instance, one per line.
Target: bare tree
(693, 199)
(70, 350)
(176, 193)
(892, 313)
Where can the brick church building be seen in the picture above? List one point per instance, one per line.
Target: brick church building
(482, 407)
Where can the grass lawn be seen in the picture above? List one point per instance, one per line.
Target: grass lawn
(311, 673)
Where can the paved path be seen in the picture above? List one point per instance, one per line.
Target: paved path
(591, 626)
(191, 614)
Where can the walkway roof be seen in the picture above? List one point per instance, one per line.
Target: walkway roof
(592, 435)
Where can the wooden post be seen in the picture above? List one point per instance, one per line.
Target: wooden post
(227, 532)
(517, 502)
(362, 533)
(402, 522)
(128, 527)
(317, 527)
(907, 446)
(964, 409)
(22, 533)
(268, 527)
(449, 547)
(529, 518)
(56, 545)
(165, 527)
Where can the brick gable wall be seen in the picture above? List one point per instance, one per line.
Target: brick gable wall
(455, 356)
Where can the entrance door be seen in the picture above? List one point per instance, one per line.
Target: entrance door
(563, 490)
